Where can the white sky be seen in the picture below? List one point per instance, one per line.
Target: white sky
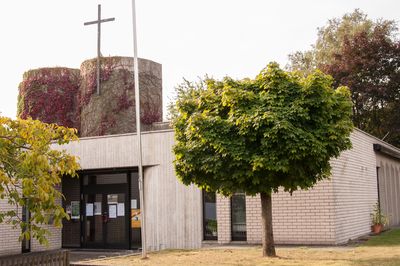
(190, 38)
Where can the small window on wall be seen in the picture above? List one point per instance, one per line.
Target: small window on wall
(209, 216)
(238, 217)
(26, 243)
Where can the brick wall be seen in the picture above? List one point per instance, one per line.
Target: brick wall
(332, 212)
(355, 188)
(306, 217)
(223, 219)
(253, 219)
(54, 238)
(9, 243)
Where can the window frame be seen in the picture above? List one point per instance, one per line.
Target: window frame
(208, 237)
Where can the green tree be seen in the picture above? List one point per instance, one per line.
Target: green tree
(278, 130)
(30, 174)
(365, 56)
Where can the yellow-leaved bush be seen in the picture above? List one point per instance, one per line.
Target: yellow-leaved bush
(31, 172)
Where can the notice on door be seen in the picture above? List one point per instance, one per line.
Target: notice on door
(75, 211)
(89, 209)
(112, 198)
(97, 208)
(112, 211)
(135, 218)
(121, 209)
(133, 204)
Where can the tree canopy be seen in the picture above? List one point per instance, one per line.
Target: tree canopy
(365, 56)
(256, 135)
(30, 174)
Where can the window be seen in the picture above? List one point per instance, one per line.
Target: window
(238, 217)
(209, 216)
(26, 243)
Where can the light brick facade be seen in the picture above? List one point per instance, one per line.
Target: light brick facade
(9, 243)
(54, 240)
(253, 219)
(355, 188)
(306, 217)
(223, 219)
(332, 212)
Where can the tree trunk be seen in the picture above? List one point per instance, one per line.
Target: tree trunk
(267, 236)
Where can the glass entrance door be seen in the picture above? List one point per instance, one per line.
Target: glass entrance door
(105, 212)
(116, 231)
(105, 220)
(93, 220)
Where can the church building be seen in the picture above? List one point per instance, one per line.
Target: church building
(104, 203)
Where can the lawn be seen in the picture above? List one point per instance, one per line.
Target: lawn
(380, 250)
(386, 239)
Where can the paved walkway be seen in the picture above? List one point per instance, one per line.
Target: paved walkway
(79, 255)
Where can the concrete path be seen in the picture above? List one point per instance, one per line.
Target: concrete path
(79, 255)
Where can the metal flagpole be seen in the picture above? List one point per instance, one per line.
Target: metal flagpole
(138, 131)
(98, 47)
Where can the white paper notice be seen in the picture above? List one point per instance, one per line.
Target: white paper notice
(89, 209)
(133, 204)
(97, 208)
(75, 209)
(112, 211)
(121, 209)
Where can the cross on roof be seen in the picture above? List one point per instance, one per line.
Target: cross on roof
(98, 22)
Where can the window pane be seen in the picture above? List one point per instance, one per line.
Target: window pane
(238, 216)
(135, 224)
(111, 179)
(209, 216)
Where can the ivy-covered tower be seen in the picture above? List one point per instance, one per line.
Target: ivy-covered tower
(49, 94)
(68, 96)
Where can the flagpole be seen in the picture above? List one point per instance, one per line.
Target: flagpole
(138, 132)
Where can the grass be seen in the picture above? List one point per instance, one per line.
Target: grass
(386, 239)
(379, 250)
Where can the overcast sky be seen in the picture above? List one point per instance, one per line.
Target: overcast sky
(190, 38)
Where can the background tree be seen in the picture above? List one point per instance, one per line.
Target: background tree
(365, 56)
(30, 174)
(278, 130)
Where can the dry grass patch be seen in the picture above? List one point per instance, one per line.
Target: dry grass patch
(252, 256)
(376, 252)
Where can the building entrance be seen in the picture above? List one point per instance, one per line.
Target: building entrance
(104, 220)
(105, 211)
(104, 208)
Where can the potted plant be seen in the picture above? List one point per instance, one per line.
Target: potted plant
(212, 227)
(379, 220)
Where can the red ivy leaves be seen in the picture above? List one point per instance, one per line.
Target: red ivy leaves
(49, 95)
(55, 95)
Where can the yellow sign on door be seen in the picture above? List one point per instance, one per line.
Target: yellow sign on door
(135, 218)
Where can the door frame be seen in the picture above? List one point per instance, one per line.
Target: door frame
(26, 243)
(104, 189)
